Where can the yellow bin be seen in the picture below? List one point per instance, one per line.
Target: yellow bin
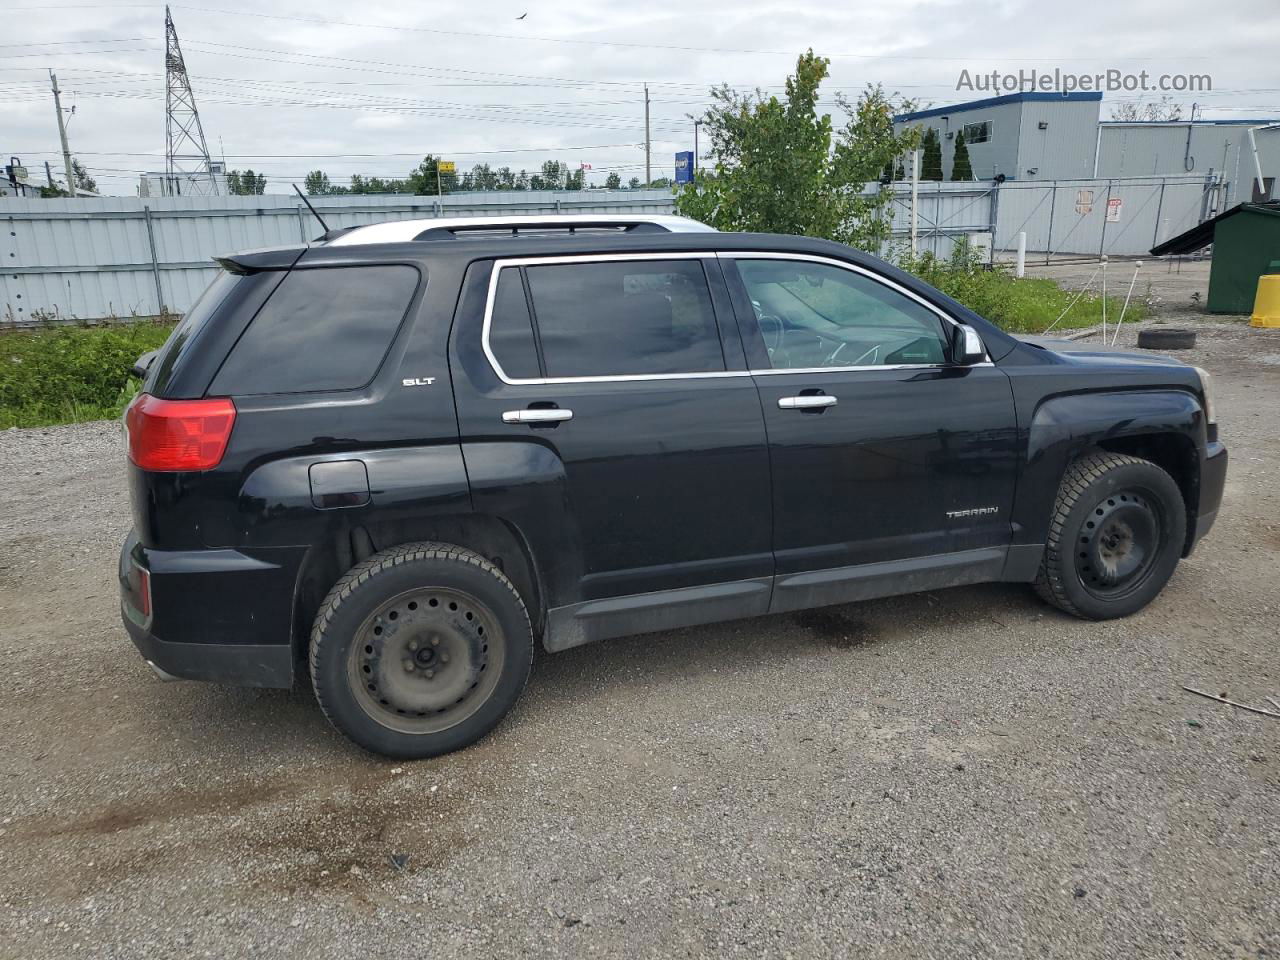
(1266, 308)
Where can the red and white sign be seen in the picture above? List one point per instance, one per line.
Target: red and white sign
(1113, 210)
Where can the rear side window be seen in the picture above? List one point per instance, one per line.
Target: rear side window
(184, 334)
(625, 318)
(322, 329)
(511, 328)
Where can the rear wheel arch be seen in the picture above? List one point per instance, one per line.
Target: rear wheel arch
(493, 538)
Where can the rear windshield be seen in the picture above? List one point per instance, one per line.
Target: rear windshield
(184, 334)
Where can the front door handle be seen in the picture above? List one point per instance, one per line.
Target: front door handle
(537, 415)
(806, 402)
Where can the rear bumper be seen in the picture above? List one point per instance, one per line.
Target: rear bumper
(1213, 477)
(216, 615)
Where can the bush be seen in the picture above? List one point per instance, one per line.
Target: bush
(1027, 305)
(71, 374)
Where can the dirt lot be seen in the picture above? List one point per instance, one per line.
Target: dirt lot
(963, 773)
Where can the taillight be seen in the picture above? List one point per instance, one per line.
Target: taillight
(178, 434)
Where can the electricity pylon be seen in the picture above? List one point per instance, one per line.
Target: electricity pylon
(187, 166)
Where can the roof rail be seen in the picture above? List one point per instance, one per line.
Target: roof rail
(454, 228)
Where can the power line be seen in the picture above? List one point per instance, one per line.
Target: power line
(400, 28)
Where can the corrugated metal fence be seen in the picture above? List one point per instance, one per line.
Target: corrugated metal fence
(1123, 217)
(126, 256)
(121, 257)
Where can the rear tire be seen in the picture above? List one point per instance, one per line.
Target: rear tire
(1115, 537)
(420, 650)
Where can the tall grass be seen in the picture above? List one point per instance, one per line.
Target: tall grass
(1019, 305)
(71, 374)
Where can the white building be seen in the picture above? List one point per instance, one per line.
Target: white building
(1053, 136)
(1223, 148)
(1022, 136)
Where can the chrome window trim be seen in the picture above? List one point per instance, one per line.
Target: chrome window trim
(501, 264)
(870, 275)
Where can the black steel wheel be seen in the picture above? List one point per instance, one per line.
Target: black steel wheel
(1119, 544)
(423, 661)
(420, 650)
(1114, 539)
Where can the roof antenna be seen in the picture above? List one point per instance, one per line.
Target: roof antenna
(311, 208)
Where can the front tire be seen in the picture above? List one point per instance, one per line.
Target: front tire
(1115, 537)
(420, 650)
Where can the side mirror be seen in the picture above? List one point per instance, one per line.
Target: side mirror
(966, 346)
(143, 364)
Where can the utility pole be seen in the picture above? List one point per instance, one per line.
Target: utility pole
(62, 132)
(648, 176)
(915, 198)
(696, 125)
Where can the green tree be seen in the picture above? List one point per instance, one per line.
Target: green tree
(575, 180)
(780, 167)
(246, 183)
(367, 185)
(506, 178)
(613, 181)
(83, 180)
(522, 180)
(317, 184)
(424, 181)
(482, 177)
(961, 167)
(634, 183)
(931, 156)
(552, 176)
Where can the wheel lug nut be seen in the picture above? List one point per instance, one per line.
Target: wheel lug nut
(435, 641)
(430, 674)
(408, 665)
(444, 658)
(413, 644)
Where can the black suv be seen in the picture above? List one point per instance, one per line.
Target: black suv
(400, 455)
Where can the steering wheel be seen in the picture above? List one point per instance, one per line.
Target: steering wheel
(767, 321)
(873, 353)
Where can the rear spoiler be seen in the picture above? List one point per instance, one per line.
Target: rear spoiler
(258, 261)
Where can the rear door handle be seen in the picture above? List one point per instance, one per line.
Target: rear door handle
(537, 415)
(806, 402)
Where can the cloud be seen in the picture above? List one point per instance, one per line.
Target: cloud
(282, 93)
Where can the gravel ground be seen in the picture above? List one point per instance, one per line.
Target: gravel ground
(965, 773)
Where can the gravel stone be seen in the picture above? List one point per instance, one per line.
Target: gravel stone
(941, 775)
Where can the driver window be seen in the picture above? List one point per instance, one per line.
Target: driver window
(815, 315)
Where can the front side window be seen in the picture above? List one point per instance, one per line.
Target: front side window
(624, 318)
(815, 315)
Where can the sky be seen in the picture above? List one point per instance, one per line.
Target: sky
(288, 87)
